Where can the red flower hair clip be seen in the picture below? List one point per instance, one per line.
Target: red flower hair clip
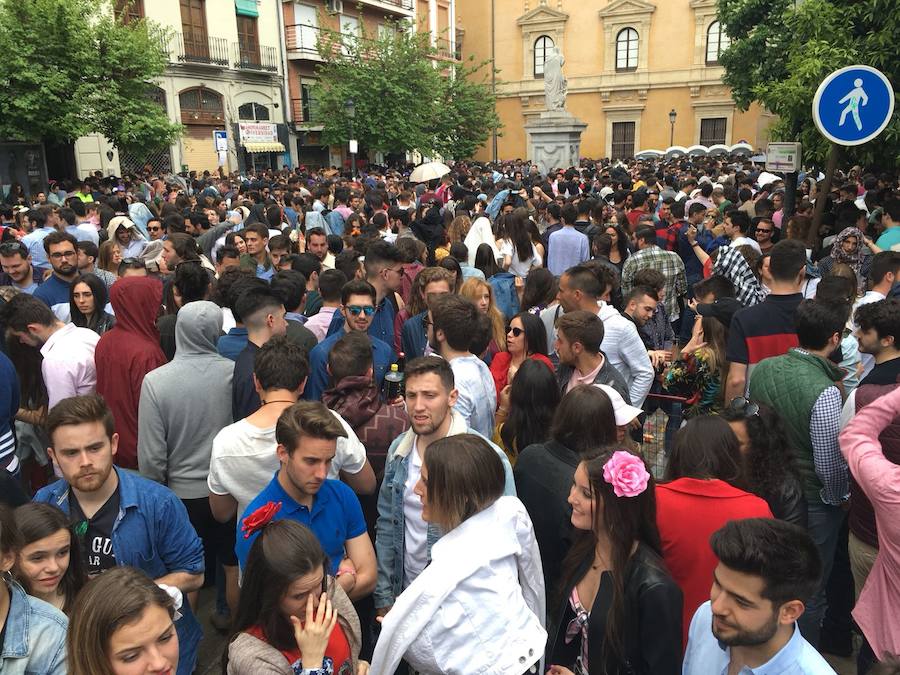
(259, 518)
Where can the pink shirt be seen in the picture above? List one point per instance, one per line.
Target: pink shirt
(68, 366)
(588, 378)
(318, 323)
(879, 478)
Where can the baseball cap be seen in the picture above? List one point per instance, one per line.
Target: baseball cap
(624, 413)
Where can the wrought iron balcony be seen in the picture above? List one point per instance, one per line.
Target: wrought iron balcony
(255, 57)
(198, 48)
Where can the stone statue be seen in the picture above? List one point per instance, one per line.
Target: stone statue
(555, 85)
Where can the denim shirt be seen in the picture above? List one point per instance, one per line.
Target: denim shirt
(35, 639)
(152, 532)
(391, 527)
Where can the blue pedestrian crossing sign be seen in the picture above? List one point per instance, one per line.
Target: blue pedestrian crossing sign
(853, 105)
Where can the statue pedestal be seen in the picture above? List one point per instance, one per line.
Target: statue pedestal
(554, 140)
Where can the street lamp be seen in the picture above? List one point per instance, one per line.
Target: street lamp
(350, 109)
(672, 116)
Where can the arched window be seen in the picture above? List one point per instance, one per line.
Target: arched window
(201, 106)
(716, 42)
(254, 111)
(627, 49)
(542, 47)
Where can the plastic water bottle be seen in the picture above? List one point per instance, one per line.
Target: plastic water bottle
(393, 383)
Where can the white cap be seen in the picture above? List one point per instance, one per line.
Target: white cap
(624, 413)
(606, 192)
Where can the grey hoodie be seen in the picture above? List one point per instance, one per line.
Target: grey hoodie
(185, 403)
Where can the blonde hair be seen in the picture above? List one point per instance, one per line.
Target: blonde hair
(459, 228)
(472, 289)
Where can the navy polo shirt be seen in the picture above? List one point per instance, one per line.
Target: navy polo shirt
(336, 516)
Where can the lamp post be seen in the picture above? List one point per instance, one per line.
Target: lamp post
(350, 109)
(672, 116)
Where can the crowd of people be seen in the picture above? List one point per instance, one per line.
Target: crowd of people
(400, 428)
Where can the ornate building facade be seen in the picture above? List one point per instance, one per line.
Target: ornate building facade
(630, 64)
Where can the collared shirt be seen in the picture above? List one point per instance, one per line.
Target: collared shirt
(319, 322)
(335, 517)
(824, 427)
(34, 636)
(588, 378)
(667, 262)
(68, 366)
(35, 243)
(232, 343)
(567, 247)
(382, 326)
(705, 656)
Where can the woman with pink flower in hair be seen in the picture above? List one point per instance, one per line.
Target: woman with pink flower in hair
(619, 611)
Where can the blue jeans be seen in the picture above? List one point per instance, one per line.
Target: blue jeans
(824, 526)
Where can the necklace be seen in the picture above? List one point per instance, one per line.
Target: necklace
(277, 400)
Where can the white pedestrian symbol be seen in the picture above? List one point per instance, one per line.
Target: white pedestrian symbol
(856, 94)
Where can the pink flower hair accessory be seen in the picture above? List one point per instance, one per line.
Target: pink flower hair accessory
(626, 473)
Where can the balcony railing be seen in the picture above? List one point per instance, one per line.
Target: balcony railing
(198, 49)
(447, 51)
(266, 59)
(402, 4)
(304, 112)
(302, 38)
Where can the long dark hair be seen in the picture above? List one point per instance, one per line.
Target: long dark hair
(101, 298)
(621, 239)
(517, 232)
(706, 448)
(584, 420)
(534, 396)
(768, 463)
(535, 333)
(540, 288)
(36, 521)
(283, 552)
(27, 361)
(485, 260)
(627, 521)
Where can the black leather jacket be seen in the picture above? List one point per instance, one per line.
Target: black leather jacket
(788, 503)
(652, 623)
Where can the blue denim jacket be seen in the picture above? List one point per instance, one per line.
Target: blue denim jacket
(35, 639)
(390, 528)
(152, 533)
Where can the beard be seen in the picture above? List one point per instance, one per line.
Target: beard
(94, 481)
(66, 269)
(745, 638)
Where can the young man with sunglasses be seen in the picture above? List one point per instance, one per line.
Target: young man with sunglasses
(17, 270)
(358, 303)
(765, 229)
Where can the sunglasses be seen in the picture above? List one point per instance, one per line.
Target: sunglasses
(743, 406)
(153, 229)
(13, 247)
(356, 310)
(515, 331)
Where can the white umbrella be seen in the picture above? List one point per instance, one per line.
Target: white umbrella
(428, 171)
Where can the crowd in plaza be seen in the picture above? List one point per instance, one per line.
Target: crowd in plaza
(405, 427)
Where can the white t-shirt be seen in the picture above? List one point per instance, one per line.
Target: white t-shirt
(518, 267)
(243, 460)
(415, 546)
(746, 241)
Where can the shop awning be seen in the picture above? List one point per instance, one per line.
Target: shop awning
(264, 147)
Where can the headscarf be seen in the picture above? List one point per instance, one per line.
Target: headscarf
(853, 260)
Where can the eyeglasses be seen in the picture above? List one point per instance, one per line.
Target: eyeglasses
(63, 254)
(356, 310)
(741, 405)
(515, 331)
(13, 247)
(758, 229)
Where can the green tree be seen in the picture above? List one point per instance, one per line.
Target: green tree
(71, 69)
(782, 49)
(404, 97)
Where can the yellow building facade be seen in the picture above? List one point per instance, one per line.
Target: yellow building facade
(629, 65)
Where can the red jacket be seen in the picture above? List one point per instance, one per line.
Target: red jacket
(688, 511)
(500, 369)
(125, 354)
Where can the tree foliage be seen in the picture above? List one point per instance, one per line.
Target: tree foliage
(405, 98)
(782, 49)
(71, 69)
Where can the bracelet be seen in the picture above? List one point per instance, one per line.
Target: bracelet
(352, 573)
(696, 243)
